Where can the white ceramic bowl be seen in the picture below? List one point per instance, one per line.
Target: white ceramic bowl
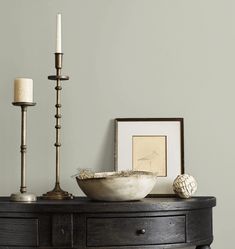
(118, 186)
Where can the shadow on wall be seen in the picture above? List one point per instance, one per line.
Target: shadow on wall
(105, 159)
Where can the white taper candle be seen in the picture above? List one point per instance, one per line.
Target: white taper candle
(23, 90)
(58, 34)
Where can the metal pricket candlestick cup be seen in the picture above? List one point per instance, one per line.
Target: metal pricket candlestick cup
(23, 196)
(57, 193)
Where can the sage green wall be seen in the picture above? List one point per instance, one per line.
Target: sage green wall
(126, 58)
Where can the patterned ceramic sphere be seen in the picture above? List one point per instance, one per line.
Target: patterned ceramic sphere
(185, 186)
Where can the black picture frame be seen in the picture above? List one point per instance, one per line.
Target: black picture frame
(120, 124)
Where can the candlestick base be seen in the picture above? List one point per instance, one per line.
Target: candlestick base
(57, 194)
(23, 197)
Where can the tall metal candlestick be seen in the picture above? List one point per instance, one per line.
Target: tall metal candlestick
(57, 193)
(23, 196)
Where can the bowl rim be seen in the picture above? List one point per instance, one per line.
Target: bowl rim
(117, 174)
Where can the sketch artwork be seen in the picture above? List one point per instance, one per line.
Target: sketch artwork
(149, 154)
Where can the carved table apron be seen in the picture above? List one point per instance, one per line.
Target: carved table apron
(152, 223)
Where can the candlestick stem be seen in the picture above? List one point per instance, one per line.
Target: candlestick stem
(23, 196)
(23, 148)
(58, 124)
(57, 193)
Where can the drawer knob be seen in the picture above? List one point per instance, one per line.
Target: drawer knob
(62, 231)
(141, 231)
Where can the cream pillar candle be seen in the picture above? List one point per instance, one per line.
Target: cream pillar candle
(23, 90)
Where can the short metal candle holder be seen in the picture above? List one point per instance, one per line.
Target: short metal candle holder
(23, 196)
(57, 193)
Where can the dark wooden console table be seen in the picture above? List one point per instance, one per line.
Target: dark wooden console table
(152, 223)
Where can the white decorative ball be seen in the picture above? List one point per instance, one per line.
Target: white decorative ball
(184, 186)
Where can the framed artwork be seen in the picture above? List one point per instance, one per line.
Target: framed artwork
(151, 144)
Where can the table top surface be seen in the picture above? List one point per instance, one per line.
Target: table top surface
(83, 204)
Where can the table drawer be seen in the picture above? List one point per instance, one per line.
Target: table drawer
(135, 231)
(18, 232)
